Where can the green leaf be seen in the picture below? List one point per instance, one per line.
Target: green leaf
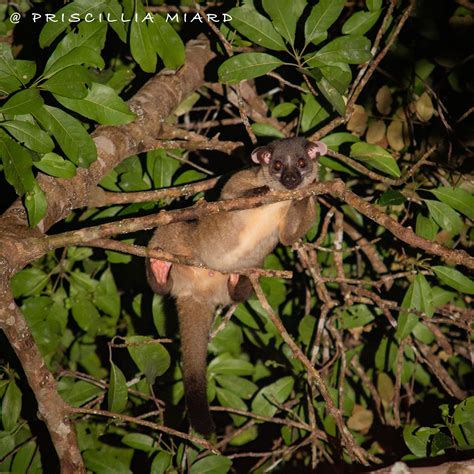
(85, 314)
(376, 157)
(141, 45)
(284, 109)
(322, 16)
(257, 28)
(11, 406)
(442, 296)
(140, 441)
(457, 198)
(338, 74)
(23, 458)
(244, 437)
(29, 134)
(117, 394)
(161, 168)
(212, 464)
(335, 139)
(70, 82)
(151, 358)
(229, 399)
(445, 216)
(373, 4)
(313, 113)
(23, 102)
(332, 96)
(106, 296)
(82, 281)
(102, 105)
(131, 177)
(350, 49)
(426, 227)
(160, 463)
(284, 16)
(227, 340)
(36, 205)
(223, 365)
(69, 133)
(7, 443)
(104, 462)
(306, 329)
(24, 70)
(417, 439)
(53, 29)
(418, 296)
(8, 83)
(56, 165)
(47, 321)
(266, 401)
(440, 443)
(114, 11)
(87, 36)
(356, 316)
(75, 57)
(186, 105)
(242, 387)
(360, 22)
(122, 77)
(454, 279)
(423, 333)
(266, 130)
(247, 66)
(29, 281)
(464, 411)
(14, 73)
(80, 392)
(167, 42)
(392, 198)
(17, 164)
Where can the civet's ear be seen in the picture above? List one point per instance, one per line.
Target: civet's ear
(316, 149)
(262, 155)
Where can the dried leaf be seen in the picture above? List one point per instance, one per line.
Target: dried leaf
(396, 136)
(361, 419)
(376, 132)
(385, 388)
(383, 100)
(424, 107)
(358, 121)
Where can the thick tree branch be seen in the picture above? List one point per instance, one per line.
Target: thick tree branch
(38, 246)
(141, 251)
(103, 198)
(51, 407)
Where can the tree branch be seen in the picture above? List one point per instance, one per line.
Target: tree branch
(38, 246)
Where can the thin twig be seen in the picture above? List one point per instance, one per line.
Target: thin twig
(120, 417)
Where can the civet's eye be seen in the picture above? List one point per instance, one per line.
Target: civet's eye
(278, 165)
(301, 163)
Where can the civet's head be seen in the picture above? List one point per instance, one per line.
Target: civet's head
(291, 162)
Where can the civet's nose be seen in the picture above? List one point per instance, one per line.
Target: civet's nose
(291, 180)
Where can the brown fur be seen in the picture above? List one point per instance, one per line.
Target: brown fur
(228, 242)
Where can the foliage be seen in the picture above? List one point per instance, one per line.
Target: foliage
(97, 325)
(456, 431)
